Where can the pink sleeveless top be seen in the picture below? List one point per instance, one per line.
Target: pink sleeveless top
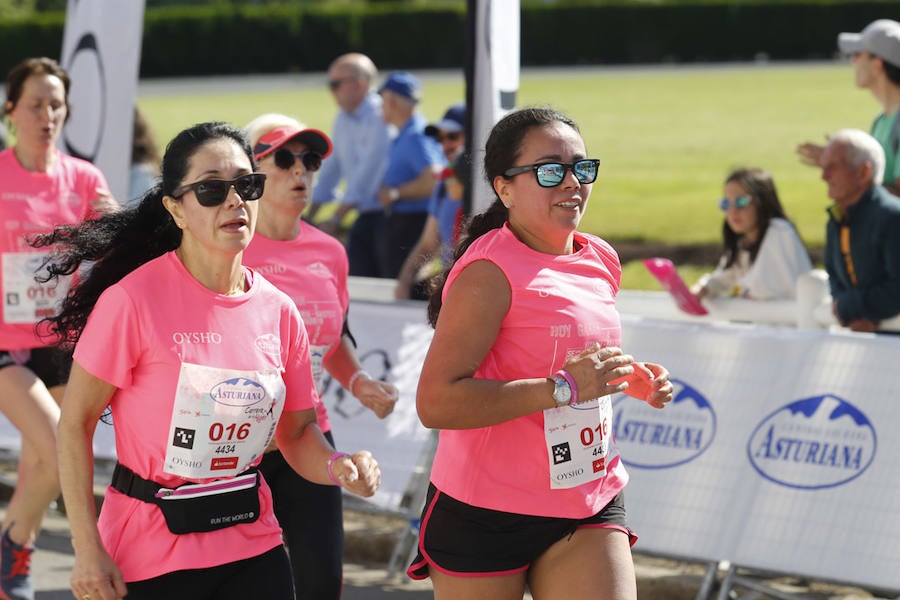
(560, 305)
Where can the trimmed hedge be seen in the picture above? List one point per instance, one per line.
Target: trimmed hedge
(192, 40)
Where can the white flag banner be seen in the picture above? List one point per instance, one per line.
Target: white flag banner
(495, 81)
(101, 51)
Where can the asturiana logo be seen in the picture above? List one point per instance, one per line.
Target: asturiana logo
(813, 443)
(238, 391)
(655, 439)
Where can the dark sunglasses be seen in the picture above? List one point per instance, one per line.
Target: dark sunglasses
(451, 136)
(739, 202)
(552, 174)
(212, 192)
(285, 159)
(336, 83)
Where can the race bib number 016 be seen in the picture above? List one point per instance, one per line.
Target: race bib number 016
(222, 420)
(578, 442)
(24, 299)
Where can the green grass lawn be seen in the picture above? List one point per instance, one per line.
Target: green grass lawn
(666, 137)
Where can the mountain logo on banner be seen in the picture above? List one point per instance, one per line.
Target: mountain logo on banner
(650, 438)
(814, 443)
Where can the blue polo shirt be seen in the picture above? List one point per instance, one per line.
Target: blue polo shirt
(446, 210)
(411, 152)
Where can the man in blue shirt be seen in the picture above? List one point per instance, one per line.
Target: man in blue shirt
(862, 238)
(415, 161)
(361, 141)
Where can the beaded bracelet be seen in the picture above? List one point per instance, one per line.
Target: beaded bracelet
(354, 377)
(572, 386)
(334, 457)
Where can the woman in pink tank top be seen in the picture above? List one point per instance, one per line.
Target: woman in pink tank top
(526, 481)
(40, 187)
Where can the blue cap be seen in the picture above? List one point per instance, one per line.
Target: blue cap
(404, 84)
(453, 120)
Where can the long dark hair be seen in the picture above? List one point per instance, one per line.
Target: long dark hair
(501, 152)
(761, 187)
(120, 242)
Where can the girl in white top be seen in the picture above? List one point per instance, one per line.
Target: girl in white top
(764, 255)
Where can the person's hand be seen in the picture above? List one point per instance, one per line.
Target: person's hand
(385, 198)
(378, 396)
(863, 325)
(95, 576)
(358, 473)
(650, 383)
(810, 154)
(595, 369)
(104, 203)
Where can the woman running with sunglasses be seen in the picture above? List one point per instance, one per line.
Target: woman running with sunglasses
(764, 255)
(40, 187)
(311, 267)
(201, 361)
(526, 484)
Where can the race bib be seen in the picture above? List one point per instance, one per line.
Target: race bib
(25, 300)
(222, 420)
(578, 442)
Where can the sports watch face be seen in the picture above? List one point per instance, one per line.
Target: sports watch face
(562, 393)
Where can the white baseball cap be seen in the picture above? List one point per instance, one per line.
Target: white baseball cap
(881, 38)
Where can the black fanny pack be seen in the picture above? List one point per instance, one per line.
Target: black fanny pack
(196, 508)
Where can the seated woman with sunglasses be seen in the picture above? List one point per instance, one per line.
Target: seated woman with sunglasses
(200, 361)
(763, 252)
(526, 340)
(311, 267)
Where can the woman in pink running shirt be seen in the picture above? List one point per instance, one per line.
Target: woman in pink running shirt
(200, 361)
(526, 482)
(40, 187)
(311, 267)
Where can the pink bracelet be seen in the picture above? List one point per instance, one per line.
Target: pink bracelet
(334, 457)
(572, 386)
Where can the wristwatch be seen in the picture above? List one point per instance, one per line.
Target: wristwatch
(562, 393)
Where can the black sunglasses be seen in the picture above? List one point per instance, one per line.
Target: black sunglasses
(551, 174)
(212, 192)
(285, 159)
(451, 136)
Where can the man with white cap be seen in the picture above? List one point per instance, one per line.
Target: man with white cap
(875, 54)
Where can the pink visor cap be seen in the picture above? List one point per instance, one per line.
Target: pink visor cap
(314, 139)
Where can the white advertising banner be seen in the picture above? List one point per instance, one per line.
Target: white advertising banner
(101, 51)
(777, 453)
(496, 80)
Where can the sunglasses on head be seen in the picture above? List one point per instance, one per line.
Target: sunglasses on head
(551, 174)
(285, 159)
(212, 192)
(739, 202)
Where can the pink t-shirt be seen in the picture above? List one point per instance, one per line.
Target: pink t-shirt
(32, 203)
(145, 333)
(560, 305)
(311, 269)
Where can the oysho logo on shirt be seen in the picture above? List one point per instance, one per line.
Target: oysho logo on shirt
(814, 443)
(269, 343)
(197, 337)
